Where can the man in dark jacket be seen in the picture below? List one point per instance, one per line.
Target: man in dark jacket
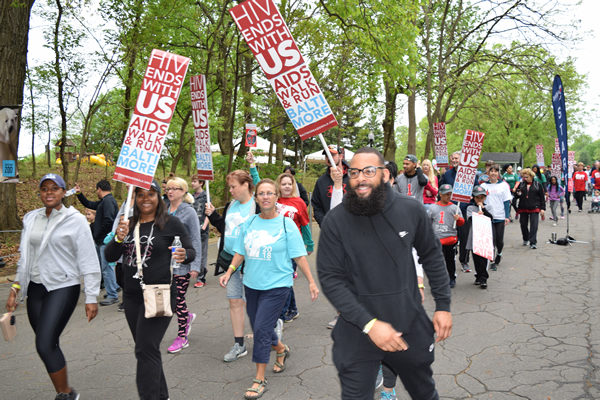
(321, 197)
(106, 211)
(367, 272)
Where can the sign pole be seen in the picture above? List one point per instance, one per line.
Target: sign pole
(329, 156)
(207, 192)
(128, 203)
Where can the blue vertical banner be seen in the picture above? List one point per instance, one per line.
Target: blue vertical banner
(560, 119)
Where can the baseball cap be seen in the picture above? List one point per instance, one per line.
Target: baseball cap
(411, 158)
(156, 186)
(445, 188)
(333, 149)
(478, 191)
(60, 182)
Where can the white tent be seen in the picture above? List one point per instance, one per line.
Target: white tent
(319, 157)
(261, 145)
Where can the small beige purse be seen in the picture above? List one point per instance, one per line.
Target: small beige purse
(157, 297)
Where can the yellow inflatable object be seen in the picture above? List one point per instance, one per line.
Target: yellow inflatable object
(98, 160)
(58, 161)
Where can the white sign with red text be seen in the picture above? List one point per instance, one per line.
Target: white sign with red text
(251, 132)
(539, 155)
(152, 115)
(571, 162)
(467, 167)
(483, 241)
(440, 145)
(556, 163)
(271, 42)
(204, 161)
(556, 146)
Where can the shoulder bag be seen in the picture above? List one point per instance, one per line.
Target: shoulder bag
(157, 297)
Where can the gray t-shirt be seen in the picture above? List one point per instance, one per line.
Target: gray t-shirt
(410, 187)
(442, 218)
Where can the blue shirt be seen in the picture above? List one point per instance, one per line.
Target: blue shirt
(268, 248)
(237, 214)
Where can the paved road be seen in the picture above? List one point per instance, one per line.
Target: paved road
(534, 334)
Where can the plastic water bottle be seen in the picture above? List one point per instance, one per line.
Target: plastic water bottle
(70, 192)
(176, 244)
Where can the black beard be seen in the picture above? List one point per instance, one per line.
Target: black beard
(368, 206)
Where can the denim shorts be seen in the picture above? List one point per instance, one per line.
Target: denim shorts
(235, 287)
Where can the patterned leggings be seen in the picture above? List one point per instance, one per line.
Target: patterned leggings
(181, 282)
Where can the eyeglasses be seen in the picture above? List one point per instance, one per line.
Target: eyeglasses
(172, 189)
(52, 189)
(368, 172)
(263, 194)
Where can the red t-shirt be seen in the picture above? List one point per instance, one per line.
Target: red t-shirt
(579, 180)
(295, 208)
(596, 175)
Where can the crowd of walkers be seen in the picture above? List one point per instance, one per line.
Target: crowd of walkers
(401, 224)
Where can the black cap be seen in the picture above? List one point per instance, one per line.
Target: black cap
(478, 191)
(156, 186)
(445, 188)
(411, 158)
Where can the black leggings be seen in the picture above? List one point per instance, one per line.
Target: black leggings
(48, 314)
(579, 198)
(498, 234)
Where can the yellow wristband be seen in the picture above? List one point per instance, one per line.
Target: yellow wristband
(233, 267)
(421, 286)
(16, 286)
(369, 325)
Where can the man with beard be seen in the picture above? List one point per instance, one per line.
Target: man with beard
(412, 182)
(367, 272)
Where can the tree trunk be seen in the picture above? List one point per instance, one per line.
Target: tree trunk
(247, 95)
(412, 121)
(30, 84)
(181, 149)
(389, 120)
(14, 27)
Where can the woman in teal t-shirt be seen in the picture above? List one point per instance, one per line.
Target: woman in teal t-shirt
(267, 244)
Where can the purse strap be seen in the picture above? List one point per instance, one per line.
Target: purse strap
(138, 253)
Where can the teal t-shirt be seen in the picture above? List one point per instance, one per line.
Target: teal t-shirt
(268, 248)
(237, 214)
(511, 179)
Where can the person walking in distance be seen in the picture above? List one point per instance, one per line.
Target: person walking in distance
(366, 269)
(321, 197)
(580, 178)
(478, 207)
(532, 204)
(106, 211)
(57, 252)
(200, 199)
(413, 182)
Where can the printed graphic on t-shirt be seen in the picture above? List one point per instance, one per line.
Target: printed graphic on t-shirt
(258, 244)
(287, 210)
(232, 227)
(130, 253)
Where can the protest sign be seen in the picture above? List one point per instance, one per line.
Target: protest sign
(539, 155)
(556, 170)
(556, 146)
(151, 117)
(483, 242)
(251, 133)
(467, 167)
(271, 42)
(204, 161)
(571, 157)
(439, 144)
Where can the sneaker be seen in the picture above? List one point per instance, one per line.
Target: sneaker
(332, 323)
(379, 380)
(477, 282)
(67, 396)
(109, 301)
(465, 267)
(452, 283)
(498, 258)
(188, 328)
(383, 395)
(121, 307)
(291, 316)
(525, 242)
(493, 267)
(236, 352)
(533, 246)
(554, 224)
(178, 344)
(562, 217)
(483, 285)
(199, 284)
(279, 329)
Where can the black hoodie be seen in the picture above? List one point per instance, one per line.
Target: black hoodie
(321, 197)
(366, 268)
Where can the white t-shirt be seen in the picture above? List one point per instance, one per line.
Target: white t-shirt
(498, 193)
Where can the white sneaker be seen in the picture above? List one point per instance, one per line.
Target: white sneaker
(235, 352)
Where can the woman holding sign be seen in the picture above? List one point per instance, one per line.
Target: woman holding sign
(532, 204)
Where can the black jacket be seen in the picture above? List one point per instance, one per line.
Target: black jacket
(303, 193)
(532, 198)
(366, 268)
(106, 211)
(321, 197)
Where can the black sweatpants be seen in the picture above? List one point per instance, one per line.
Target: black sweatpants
(147, 334)
(498, 235)
(529, 226)
(357, 360)
(463, 237)
(579, 198)
(481, 267)
(48, 313)
(449, 252)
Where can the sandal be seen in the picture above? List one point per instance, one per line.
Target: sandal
(281, 366)
(260, 390)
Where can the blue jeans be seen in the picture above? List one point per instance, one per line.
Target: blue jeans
(263, 308)
(108, 274)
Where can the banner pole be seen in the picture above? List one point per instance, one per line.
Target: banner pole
(128, 202)
(457, 210)
(329, 156)
(207, 192)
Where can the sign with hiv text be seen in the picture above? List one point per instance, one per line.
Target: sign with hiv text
(440, 145)
(271, 42)
(467, 167)
(152, 115)
(204, 161)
